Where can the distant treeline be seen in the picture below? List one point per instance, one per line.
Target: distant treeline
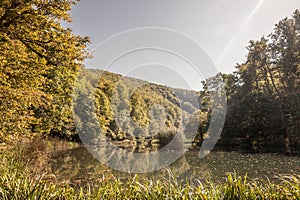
(40, 60)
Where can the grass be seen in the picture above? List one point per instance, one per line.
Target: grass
(21, 178)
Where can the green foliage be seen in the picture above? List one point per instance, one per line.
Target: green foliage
(18, 181)
(128, 107)
(264, 93)
(39, 60)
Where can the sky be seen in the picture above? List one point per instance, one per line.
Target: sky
(221, 28)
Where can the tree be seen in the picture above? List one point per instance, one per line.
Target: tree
(285, 52)
(39, 62)
(265, 103)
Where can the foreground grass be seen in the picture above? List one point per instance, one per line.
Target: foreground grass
(19, 180)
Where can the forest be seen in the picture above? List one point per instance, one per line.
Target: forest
(45, 94)
(39, 67)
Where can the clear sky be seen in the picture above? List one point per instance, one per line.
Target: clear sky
(222, 27)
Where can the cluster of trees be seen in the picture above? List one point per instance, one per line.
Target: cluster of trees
(264, 93)
(128, 108)
(39, 60)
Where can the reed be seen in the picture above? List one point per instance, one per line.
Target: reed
(18, 182)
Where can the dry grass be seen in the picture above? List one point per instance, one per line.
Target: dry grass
(22, 178)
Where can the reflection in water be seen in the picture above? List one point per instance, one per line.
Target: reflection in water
(78, 166)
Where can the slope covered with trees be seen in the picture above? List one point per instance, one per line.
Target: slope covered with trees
(39, 62)
(131, 109)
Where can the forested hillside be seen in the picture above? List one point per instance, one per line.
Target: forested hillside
(262, 108)
(39, 62)
(131, 109)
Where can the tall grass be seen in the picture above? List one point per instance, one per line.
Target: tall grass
(18, 181)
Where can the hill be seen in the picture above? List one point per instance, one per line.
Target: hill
(126, 108)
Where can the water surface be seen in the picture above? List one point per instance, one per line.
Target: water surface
(78, 165)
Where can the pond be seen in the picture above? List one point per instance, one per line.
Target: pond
(77, 165)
